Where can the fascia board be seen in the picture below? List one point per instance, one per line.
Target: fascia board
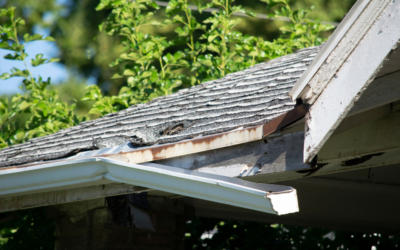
(274, 199)
(328, 47)
(190, 146)
(351, 80)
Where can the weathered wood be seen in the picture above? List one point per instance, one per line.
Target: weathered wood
(377, 136)
(302, 87)
(352, 32)
(279, 154)
(351, 121)
(346, 201)
(350, 81)
(356, 120)
(65, 196)
(280, 159)
(382, 90)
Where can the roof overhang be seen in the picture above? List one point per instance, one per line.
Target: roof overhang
(274, 199)
(345, 68)
(301, 85)
(187, 147)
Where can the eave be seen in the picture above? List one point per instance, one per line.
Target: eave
(188, 147)
(345, 70)
(274, 199)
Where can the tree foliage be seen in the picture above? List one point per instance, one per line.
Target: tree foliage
(38, 107)
(231, 234)
(153, 65)
(215, 51)
(26, 229)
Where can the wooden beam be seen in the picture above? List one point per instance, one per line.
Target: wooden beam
(374, 137)
(340, 49)
(381, 91)
(359, 119)
(275, 155)
(280, 159)
(343, 202)
(65, 196)
(350, 79)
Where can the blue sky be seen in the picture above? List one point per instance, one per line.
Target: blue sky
(56, 71)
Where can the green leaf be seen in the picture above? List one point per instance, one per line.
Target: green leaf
(238, 59)
(250, 13)
(129, 72)
(213, 47)
(183, 63)
(153, 5)
(53, 60)
(33, 37)
(131, 81)
(154, 76)
(207, 63)
(212, 37)
(17, 72)
(93, 93)
(17, 56)
(24, 105)
(49, 39)
(178, 19)
(148, 91)
(196, 64)
(286, 29)
(5, 76)
(116, 76)
(146, 74)
(39, 60)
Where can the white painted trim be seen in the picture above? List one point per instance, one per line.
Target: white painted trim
(225, 190)
(351, 80)
(329, 46)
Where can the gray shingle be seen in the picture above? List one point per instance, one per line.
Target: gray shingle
(250, 97)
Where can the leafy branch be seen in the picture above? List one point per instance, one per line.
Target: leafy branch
(213, 47)
(38, 107)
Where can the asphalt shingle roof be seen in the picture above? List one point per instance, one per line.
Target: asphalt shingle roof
(246, 98)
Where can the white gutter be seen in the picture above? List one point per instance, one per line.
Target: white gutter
(332, 42)
(274, 199)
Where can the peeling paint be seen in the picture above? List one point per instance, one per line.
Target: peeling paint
(192, 146)
(196, 145)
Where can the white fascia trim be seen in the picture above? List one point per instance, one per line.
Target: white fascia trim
(274, 199)
(328, 47)
(351, 80)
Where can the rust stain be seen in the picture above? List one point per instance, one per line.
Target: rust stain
(199, 144)
(192, 146)
(284, 119)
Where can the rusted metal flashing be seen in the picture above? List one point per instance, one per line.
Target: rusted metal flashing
(211, 142)
(285, 120)
(199, 144)
(192, 146)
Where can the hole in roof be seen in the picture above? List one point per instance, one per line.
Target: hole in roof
(173, 129)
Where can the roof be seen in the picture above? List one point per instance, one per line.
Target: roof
(360, 56)
(247, 98)
(352, 31)
(332, 42)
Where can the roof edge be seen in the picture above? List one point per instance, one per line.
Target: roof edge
(225, 190)
(187, 147)
(330, 45)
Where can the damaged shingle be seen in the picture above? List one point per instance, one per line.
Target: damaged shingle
(247, 98)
